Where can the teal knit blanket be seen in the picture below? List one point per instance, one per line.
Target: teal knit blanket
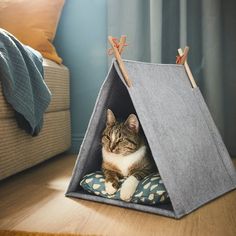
(21, 76)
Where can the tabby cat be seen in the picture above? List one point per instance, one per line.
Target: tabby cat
(125, 155)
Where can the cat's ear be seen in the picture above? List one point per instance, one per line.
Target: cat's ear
(132, 123)
(111, 120)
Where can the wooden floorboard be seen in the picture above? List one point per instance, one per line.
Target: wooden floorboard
(34, 201)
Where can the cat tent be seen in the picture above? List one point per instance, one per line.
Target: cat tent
(184, 141)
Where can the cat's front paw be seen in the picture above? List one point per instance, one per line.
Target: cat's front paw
(128, 188)
(109, 188)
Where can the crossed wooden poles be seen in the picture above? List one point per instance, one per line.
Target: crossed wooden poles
(118, 47)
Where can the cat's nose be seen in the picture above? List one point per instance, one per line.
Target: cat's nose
(112, 147)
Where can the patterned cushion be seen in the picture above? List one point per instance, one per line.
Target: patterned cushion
(150, 190)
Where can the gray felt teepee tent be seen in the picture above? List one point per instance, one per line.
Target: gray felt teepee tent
(184, 141)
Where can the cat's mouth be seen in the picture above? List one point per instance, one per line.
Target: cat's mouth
(118, 152)
(114, 151)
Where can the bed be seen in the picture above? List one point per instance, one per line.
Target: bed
(19, 150)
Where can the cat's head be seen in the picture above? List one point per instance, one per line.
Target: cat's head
(121, 137)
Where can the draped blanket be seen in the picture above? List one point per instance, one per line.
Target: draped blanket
(21, 75)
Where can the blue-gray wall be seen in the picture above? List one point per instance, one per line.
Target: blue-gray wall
(81, 42)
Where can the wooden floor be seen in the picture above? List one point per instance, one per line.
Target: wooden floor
(34, 201)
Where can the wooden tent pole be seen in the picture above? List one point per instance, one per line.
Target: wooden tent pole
(119, 60)
(183, 61)
(122, 43)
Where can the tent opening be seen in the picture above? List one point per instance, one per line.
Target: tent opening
(119, 101)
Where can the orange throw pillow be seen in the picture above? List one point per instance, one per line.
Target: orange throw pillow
(33, 22)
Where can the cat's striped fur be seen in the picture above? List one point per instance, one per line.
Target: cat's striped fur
(124, 155)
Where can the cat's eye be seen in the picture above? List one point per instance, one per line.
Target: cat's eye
(119, 140)
(130, 141)
(106, 137)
